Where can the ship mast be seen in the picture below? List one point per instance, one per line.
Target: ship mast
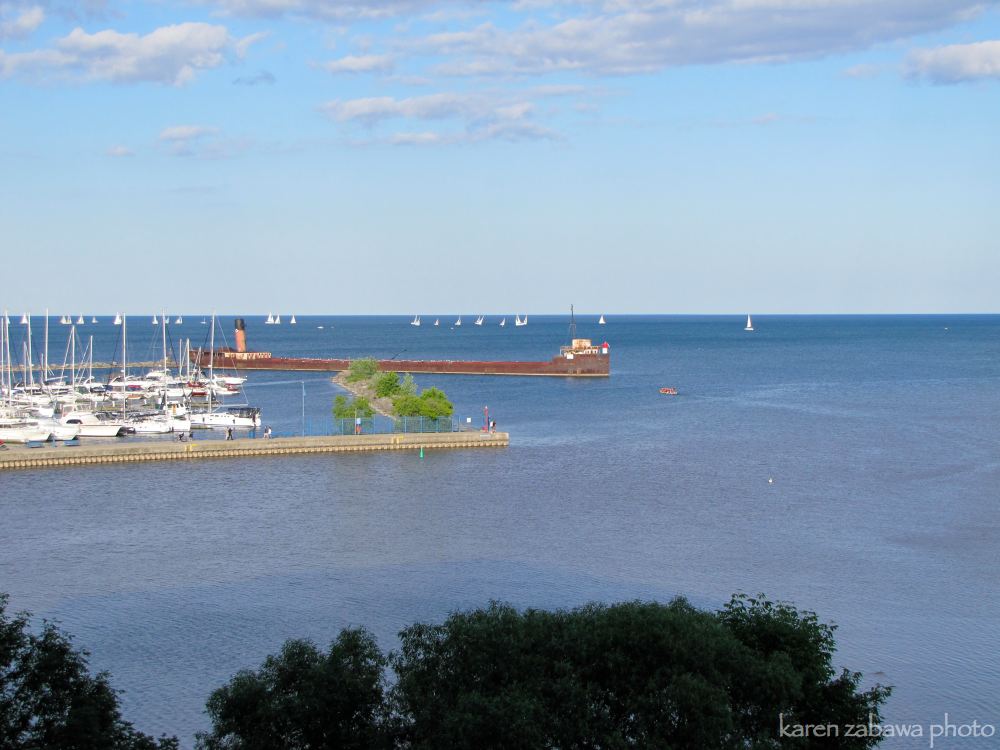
(572, 325)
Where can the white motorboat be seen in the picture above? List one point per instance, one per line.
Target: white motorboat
(94, 424)
(246, 417)
(14, 430)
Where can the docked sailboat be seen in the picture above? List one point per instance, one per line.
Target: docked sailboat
(749, 326)
(415, 321)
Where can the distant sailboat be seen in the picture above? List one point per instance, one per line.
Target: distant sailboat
(292, 321)
(277, 320)
(518, 322)
(270, 320)
(415, 321)
(601, 321)
(204, 322)
(79, 321)
(479, 320)
(118, 319)
(24, 319)
(155, 321)
(749, 324)
(179, 320)
(503, 322)
(437, 321)
(93, 319)
(459, 321)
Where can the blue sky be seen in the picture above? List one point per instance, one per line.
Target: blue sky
(402, 156)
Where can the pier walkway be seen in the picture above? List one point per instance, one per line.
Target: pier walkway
(57, 454)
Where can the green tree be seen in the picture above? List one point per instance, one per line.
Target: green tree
(362, 369)
(629, 675)
(432, 403)
(386, 384)
(304, 699)
(359, 406)
(409, 385)
(48, 699)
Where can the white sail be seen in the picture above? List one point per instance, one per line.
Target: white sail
(277, 320)
(270, 320)
(749, 324)
(155, 321)
(79, 321)
(503, 322)
(479, 320)
(118, 319)
(179, 320)
(292, 321)
(601, 321)
(93, 319)
(518, 322)
(24, 319)
(437, 321)
(459, 321)
(415, 321)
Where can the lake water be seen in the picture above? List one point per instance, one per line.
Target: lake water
(880, 433)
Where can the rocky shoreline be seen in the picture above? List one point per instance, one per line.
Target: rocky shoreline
(364, 388)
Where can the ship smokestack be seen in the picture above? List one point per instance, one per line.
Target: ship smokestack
(241, 335)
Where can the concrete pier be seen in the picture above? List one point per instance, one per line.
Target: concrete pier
(56, 454)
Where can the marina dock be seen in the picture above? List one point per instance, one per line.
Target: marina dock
(57, 454)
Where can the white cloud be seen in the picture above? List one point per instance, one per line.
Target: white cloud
(474, 117)
(322, 9)
(16, 22)
(360, 64)
(169, 55)
(119, 152)
(620, 37)
(956, 62)
(178, 133)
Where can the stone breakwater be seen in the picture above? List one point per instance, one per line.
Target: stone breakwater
(54, 454)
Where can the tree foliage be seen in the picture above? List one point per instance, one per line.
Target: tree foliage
(362, 369)
(359, 406)
(386, 384)
(304, 699)
(48, 699)
(432, 403)
(632, 675)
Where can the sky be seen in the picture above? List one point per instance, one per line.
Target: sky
(447, 156)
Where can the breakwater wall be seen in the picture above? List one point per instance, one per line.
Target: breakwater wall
(54, 454)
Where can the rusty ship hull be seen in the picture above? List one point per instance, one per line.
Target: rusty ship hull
(581, 365)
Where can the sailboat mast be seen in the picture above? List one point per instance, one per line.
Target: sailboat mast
(163, 329)
(124, 371)
(45, 354)
(211, 351)
(28, 360)
(72, 359)
(572, 324)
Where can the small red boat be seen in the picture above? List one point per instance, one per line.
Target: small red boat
(668, 391)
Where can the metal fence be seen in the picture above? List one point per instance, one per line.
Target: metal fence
(379, 425)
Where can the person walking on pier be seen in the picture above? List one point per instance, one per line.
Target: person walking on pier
(229, 433)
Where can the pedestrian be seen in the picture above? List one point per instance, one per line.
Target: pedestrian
(229, 433)
(267, 432)
(493, 427)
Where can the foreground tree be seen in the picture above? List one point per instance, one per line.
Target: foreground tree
(633, 675)
(48, 699)
(304, 699)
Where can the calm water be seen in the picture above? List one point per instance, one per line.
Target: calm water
(880, 434)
